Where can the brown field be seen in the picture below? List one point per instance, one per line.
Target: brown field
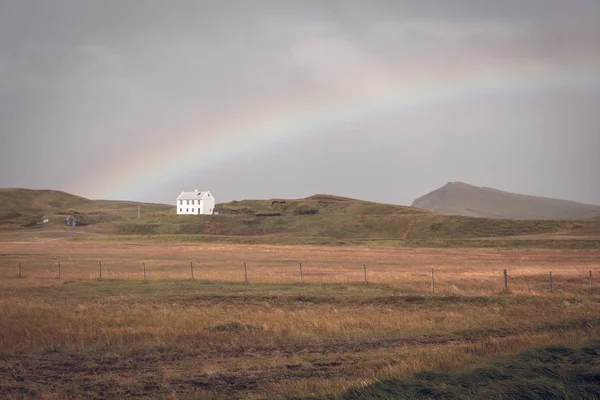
(216, 337)
(457, 271)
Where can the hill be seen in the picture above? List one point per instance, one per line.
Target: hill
(25, 208)
(315, 216)
(459, 198)
(315, 219)
(339, 218)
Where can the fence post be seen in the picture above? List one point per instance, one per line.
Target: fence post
(432, 280)
(20, 275)
(590, 280)
(245, 274)
(505, 282)
(192, 270)
(100, 269)
(58, 270)
(550, 282)
(301, 278)
(365, 271)
(144, 270)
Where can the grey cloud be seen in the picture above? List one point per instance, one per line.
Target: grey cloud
(106, 81)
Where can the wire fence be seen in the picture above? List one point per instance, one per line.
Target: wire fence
(417, 279)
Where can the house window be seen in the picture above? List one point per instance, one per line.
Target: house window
(187, 210)
(181, 210)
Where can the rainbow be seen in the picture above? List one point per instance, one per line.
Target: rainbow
(193, 152)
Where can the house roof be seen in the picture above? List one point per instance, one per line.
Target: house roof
(192, 195)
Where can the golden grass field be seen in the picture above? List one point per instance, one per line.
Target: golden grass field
(457, 271)
(216, 337)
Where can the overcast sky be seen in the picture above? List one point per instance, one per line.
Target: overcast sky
(263, 99)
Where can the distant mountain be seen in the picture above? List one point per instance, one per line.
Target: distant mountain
(459, 198)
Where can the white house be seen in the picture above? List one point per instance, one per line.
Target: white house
(195, 203)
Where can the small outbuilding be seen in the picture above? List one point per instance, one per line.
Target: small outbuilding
(195, 203)
(70, 221)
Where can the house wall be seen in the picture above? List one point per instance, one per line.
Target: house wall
(192, 208)
(196, 206)
(208, 204)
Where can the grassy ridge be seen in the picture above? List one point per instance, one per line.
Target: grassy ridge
(317, 216)
(334, 219)
(456, 227)
(319, 219)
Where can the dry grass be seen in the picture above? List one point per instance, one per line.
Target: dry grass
(78, 337)
(457, 271)
(403, 362)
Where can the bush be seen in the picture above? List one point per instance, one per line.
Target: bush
(304, 209)
(234, 211)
